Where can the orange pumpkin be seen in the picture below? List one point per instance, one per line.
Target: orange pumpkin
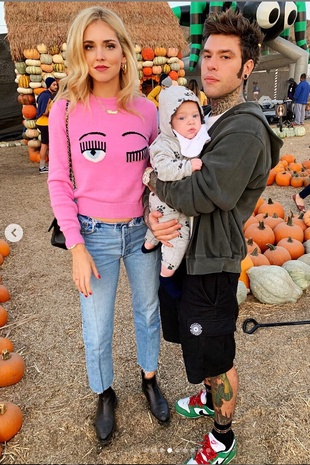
(147, 71)
(272, 207)
(251, 245)
(271, 177)
(283, 178)
(160, 51)
(11, 420)
(259, 258)
(1, 259)
(288, 228)
(307, 234)
(12, 368)
(4, 294)
(33, 153)
(273, 220)
(307, 218)
(295, 166)
(251, 220)
(259, 202)
(4, 248)
(246, 263)
(294, 247)
(3, 316)
(147, 54)
(6, 343)
(277, 255)
(297, 181)
(261, 233)
(173, 75)
(25, 99)
(288, 157)
(306, 164)
(29, 111)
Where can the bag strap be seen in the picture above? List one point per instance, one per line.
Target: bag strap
(72, 178)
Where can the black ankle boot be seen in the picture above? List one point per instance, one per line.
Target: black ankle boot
(105, 416)
(157, 402)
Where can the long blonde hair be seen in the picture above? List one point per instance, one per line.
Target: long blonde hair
(77, 86)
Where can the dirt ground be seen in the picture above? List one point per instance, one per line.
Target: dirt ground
(272, 416)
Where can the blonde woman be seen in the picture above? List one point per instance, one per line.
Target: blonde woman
(110, 127)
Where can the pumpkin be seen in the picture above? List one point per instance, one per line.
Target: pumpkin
(30, 123)
(251, 245)
(20, 67)
(24, 81)
(160, 60)
(172, 52)
(273, 285)
(23, 90)
(290, 158)
(6, 344)
(4, 248)
(32, 62)
(147, 53)
(59, 75)
(46, 59)
(175, 66)
(35, 143)
(4, 294)
(242, 292)
(283, 178)
(272, 207)
(293, 246)
(11, 420)
(249, 221)
(306, 218)
(261, 233)
(42, 48)
(294, 166)
(57, 58)
(147, 64)
(297, 181)
(33, 70)
(258, 258)
(259, 202)
(3, 316)
(181, 72)
(298, 220)
(157, 69)
(306, 164)
(288, 228)
(35, 78)
(35, 85)
(172, 60)
(307, 234)
(33, 154)
(137, 48)
(299, 131)
(173, 75)
(25, 99)
(299, 272)
(32, 133)
(160, 51)
(166, 68)
(31, 53)
(147, 71)
(277, 255)
(182, 81)
(246, 263)
(273, 220)
(47, 68)
(1, 259)
(12, 368)
(54, 49)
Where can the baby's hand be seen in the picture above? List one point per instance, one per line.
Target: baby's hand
(196, 164)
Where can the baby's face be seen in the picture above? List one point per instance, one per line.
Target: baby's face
(186, 120)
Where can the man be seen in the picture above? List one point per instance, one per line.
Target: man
(43, 108)
(301, 96)
(220, 197)
(291, 89)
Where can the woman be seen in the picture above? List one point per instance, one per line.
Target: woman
(193, 86)
(110, 127)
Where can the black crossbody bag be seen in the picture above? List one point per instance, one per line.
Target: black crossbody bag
(58, 238)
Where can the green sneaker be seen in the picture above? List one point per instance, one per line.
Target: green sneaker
(194, 406)
(213, 451)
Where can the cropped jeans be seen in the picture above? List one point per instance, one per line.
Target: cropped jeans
(108, 244)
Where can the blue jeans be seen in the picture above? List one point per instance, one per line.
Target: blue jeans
(108, 243)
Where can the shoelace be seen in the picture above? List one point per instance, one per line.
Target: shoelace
(206, 452)
(196, 400)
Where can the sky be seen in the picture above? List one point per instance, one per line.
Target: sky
(3, 29)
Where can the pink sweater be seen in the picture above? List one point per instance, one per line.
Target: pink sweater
(109, 154)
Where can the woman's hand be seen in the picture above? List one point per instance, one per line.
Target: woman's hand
(83, 267)
(164, 231)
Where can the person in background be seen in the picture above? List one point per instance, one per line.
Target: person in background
(300, 197)
(255, 91)
(110, 128)
(164, 81)
(175, 154)
(193, 86)
(301, 96)
(291, 89)
(221, 196)
(44, 103)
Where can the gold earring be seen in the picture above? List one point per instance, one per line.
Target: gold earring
(124, 68)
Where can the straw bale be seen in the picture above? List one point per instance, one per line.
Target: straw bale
(149, 24)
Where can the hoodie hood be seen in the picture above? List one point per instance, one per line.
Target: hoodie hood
(169, 101)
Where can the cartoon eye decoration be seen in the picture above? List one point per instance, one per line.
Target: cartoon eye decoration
(93, 150)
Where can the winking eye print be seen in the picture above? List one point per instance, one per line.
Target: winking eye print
(94, 148)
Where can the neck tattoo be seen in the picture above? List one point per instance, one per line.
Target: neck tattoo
(219, 105)
(110, 112)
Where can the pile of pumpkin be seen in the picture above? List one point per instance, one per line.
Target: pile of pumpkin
(31, 71)
(290, 132)
(153, 62)
(12, 366)
(277, 266)
(289, 172)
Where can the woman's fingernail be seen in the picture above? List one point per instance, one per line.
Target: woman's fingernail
(99, 276)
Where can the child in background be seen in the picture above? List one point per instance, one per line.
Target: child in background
(174, 155)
